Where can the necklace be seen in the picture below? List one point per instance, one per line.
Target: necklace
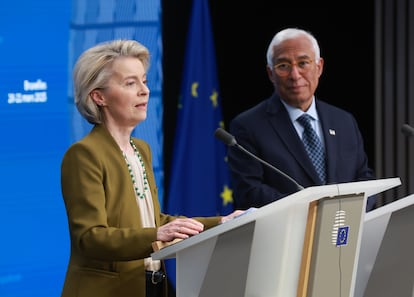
(131, 172)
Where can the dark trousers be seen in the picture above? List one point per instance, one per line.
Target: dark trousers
(155, 284)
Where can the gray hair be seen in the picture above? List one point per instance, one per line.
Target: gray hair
(289, 34)
(92, 71)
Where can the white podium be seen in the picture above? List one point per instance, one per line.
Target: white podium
(386, 263)
(272, 252)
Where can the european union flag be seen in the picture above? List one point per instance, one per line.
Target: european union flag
(199, 179)
(342, 238)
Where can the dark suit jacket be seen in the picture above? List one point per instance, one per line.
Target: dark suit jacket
(108, 241)
(267, 131)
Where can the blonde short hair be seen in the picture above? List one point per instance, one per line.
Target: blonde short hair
(92, 71)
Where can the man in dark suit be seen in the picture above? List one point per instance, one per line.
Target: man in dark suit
(271, 130)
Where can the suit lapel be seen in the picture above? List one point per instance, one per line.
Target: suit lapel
(329, 134)
(280, 121)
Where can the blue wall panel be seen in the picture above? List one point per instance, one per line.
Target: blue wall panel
(39, 42)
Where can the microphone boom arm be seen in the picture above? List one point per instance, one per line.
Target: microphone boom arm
(230, 140)
(269, 165)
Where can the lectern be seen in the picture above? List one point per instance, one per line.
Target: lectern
(386, 264)
(306, 244)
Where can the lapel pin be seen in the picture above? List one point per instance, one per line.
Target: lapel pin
(332, 131)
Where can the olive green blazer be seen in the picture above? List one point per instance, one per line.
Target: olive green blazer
(107, 240)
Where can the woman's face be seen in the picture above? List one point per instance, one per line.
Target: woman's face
(125, 97)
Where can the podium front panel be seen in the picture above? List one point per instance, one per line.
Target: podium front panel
(336, 246)
(264, 247)
(386, 265)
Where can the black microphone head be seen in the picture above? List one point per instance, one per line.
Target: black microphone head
(407, 130)
(224, 136)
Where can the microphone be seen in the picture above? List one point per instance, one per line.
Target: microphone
(230, 140)
(407, 130)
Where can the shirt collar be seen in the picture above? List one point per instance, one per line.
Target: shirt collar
(295, 112)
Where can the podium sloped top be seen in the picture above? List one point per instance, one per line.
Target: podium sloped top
(304, 196)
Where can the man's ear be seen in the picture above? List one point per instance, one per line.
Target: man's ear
(270, 74)
(320, 66)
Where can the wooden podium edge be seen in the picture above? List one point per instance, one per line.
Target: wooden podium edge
(307, 250)
(158, 245)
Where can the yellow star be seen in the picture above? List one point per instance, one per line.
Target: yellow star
(227, 195)
(194, 87)
(213, 98)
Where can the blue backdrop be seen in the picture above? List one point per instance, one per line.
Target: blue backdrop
(39, 42)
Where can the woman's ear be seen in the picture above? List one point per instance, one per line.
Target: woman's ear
(97, 97)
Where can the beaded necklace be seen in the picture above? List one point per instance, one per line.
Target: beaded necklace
(131, 172)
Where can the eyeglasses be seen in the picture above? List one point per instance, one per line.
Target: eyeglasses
(285, 68)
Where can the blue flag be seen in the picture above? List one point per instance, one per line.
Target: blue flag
(199, 178)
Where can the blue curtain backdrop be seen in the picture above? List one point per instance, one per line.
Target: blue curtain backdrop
(199, 179)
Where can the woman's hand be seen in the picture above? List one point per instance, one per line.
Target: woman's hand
(179, 228)
(231, 216)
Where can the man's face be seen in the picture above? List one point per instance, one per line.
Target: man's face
(295, 73)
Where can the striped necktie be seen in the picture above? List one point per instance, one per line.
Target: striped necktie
(313, 146)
